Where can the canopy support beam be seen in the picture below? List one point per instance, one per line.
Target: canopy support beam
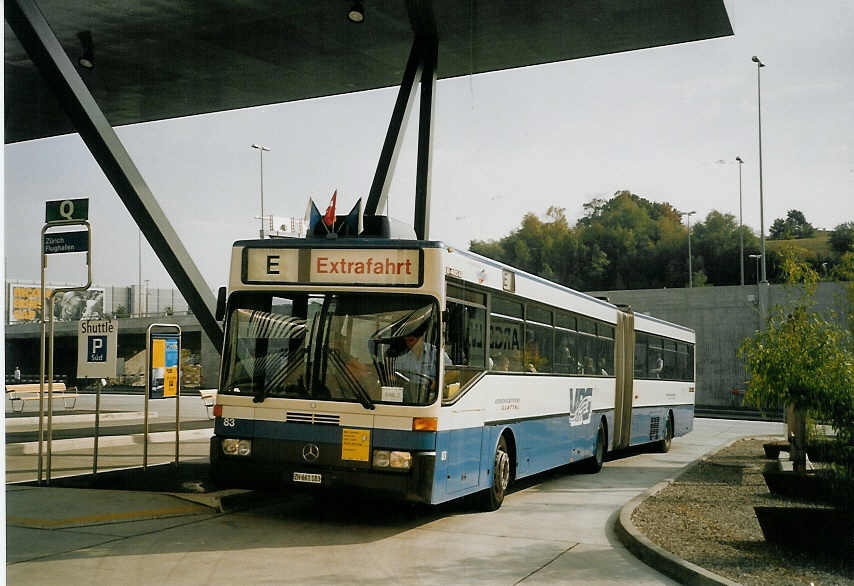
(42, 46)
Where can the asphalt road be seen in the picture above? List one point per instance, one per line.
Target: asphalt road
(556, 528)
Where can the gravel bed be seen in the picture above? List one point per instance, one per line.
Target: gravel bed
(707, 518)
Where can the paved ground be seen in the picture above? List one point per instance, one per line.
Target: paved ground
(557, 528)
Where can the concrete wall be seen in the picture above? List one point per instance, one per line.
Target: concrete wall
(722, 318)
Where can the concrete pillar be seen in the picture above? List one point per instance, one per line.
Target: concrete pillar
(764, 305)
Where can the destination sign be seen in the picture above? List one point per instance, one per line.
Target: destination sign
(333, 266)
(374, 267)
(60, 242)
(66, 209)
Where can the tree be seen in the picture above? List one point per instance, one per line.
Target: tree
(716, 248)
(794, 226)
(842, 238)
(802, 360)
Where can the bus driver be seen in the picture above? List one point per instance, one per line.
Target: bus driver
(418, 360)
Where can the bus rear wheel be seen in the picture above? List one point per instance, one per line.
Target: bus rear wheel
(594, 464)
(493, 496)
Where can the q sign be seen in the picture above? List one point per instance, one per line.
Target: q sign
(66, 209)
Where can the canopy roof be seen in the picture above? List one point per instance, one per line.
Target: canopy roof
(170, 58)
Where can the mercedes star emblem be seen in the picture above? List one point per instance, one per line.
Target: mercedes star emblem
(310, 452)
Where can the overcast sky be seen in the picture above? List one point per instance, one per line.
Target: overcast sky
(665, 123)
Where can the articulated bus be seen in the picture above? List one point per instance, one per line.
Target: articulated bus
(431, 373)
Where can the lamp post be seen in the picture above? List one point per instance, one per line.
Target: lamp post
(261, 148)
(756, 258)
(740, 223)
(760, 65)
(690, 272)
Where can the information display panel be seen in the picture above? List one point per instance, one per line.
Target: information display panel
(164, 366)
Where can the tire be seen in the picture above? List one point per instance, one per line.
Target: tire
(594, 464)
(663, 445)
(493, 496)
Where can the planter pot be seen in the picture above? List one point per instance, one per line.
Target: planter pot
(808, 529)
(830, 451)
(809, 486)
(773, 449)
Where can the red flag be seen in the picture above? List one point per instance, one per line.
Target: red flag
(329, 216)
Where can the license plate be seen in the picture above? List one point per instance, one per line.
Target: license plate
(304, 477)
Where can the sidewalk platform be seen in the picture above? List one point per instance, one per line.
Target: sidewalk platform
(119, 496)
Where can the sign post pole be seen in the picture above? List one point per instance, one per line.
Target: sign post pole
(97, 344)
(51, 340)
(68, 212)
(167, 382)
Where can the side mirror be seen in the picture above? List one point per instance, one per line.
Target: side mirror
(220, 304)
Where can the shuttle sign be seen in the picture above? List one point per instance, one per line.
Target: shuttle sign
(97, 342)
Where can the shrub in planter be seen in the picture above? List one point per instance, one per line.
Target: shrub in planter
(803, 360)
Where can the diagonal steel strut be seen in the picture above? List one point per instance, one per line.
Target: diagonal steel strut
(41, 44)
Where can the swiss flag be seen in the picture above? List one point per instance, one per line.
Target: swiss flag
(329, 216)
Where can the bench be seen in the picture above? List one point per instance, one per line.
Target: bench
(30, 392)
(209, 399)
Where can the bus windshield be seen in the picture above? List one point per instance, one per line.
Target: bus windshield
(356, 347)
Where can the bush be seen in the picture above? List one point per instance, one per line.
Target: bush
(803, 359)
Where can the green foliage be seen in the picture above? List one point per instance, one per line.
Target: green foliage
(794, 226)
(121, 311)
(842, 238)
(802, 359)
(715, 244)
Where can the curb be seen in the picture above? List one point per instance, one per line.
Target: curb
(657, 557)
(26, 423)
(59, 446)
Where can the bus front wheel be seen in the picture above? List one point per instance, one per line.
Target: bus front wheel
(493, 496)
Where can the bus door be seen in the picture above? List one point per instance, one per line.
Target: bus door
(624, 359)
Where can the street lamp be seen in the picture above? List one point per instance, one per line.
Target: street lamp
(760, 65)
(740, 223)
(690, 273)
(756, 257)
(261, 148)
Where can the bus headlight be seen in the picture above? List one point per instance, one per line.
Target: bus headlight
(236, 447)
(381, 458)
(400, 460)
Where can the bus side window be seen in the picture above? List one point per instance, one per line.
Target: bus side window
(505, 344)
(640, 356)
(465, 334)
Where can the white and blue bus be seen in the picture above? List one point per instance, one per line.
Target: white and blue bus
(430, 372)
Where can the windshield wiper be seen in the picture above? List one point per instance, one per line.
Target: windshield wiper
(352, 381)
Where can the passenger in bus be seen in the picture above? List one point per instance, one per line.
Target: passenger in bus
(589, 367)
(659, 366)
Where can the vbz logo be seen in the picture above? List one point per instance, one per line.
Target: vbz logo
(580, 406)
(97, 349)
